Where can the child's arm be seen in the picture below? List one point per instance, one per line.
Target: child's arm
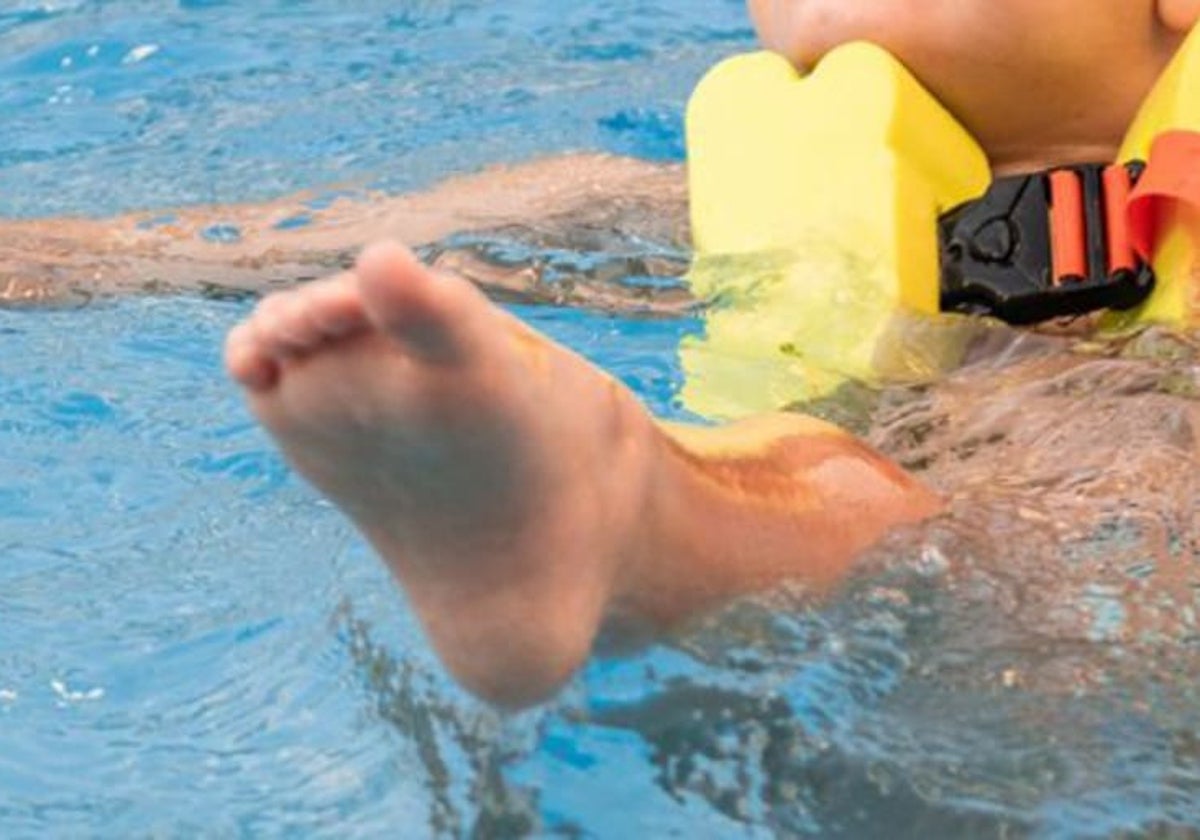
(252, 247)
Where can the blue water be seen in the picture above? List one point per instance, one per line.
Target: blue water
(187, 634)
(193, 643)
(143, 103)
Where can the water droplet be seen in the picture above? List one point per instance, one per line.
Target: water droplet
(223, 234)
(69, 695)
(933, 562)
(300, 220)
(139, 53)
(157, 221)
(1141, 571)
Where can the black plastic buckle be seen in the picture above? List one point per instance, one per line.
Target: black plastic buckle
(997, 259)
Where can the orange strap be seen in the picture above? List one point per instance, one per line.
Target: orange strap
(1117, 188)
(1068, 228)
(1172, 174)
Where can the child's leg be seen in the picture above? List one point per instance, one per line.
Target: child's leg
(522, 496)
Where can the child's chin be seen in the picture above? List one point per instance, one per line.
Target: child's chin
(803, 45)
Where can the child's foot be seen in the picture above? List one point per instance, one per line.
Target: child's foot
(499, 475)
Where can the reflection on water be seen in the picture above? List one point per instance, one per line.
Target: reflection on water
(462, 752)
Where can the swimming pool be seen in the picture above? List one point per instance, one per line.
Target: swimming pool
(193, 643)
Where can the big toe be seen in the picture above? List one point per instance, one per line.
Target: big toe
(434, 316)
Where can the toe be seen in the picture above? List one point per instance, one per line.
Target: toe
(336, 306)
(246, 361)
(290, 324)
(284, 326)
(298, 321)
(432, 316)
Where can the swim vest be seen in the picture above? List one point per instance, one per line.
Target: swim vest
(815, 205)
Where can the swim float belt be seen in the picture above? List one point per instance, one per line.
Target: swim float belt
(824, 208)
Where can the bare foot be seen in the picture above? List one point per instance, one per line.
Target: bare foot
(500, 476)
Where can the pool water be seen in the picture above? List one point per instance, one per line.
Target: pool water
(192, 642)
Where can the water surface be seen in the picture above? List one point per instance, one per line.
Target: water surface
(193, 642)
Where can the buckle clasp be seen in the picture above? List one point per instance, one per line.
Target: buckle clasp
(1042, 246)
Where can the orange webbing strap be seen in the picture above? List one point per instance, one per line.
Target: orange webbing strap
(1068, 227)
(1172, 174)
(1117, 188)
